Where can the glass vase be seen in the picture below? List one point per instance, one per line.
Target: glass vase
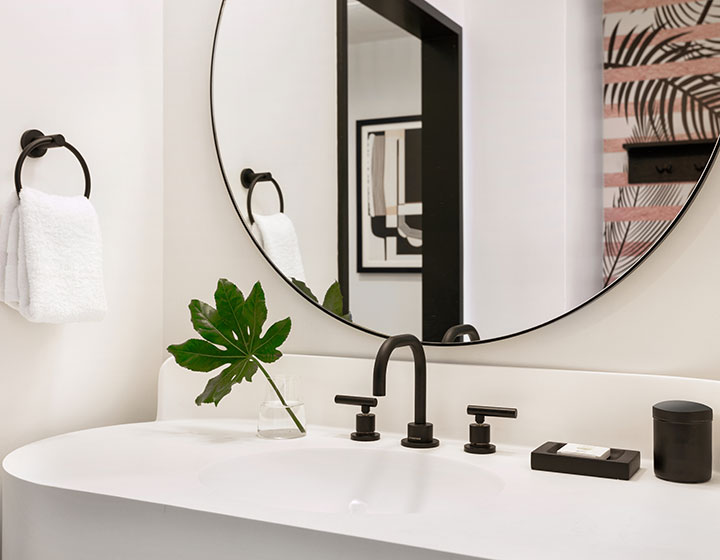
(282, 413)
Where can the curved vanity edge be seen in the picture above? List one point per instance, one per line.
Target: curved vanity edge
(167, 478)
(48, 523)
(10, 463)
(43, 507)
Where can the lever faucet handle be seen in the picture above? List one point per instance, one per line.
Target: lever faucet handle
(480, 432)
(498, 411)
(364, 420)
(365, 402)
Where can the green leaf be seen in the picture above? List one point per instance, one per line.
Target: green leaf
(230, 301)
(206, 321)
(231, 336)
(199, 355)
(267, 349)
(333, 300)
(254, 312)
(304, 288)
(220, 385)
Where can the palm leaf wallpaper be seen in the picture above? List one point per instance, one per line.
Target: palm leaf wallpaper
(661, 77)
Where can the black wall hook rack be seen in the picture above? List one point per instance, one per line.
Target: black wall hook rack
(249, 179)
(35, 144)
(662, 162)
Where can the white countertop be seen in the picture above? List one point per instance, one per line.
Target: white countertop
(534, 515)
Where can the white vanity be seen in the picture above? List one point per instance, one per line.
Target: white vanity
(208, 487)
(541, 218)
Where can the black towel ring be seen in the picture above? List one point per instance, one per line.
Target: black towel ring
(249, 179)
(35, 144)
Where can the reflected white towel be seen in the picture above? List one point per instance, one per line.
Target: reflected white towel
(276, 235)
(53, 272)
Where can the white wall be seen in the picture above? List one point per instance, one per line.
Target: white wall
(533, 189)
(93, 72)
(454, 9)
(583, 150)
(294, 134)
(384, 80)
(662, 319)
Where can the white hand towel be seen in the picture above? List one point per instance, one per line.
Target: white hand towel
(58, 259)
(276, 235)
(12, 297)
(6, 213)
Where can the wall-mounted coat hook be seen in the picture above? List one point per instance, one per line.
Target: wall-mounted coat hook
(35, 144)
(660, 162)
(249, 179)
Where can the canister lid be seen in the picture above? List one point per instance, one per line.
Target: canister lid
(682, 411)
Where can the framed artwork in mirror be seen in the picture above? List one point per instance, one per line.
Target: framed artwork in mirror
(389, 195)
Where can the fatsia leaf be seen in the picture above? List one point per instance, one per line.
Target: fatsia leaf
(206, 321)
(267, 348)
(199, 355)
(230, 301)
(305, 289)
(231, 336)
(333, 300)
(254, 312)
(220, 385)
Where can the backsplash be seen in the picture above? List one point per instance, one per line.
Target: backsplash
(564, 413)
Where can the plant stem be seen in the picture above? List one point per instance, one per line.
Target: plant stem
(282, 400)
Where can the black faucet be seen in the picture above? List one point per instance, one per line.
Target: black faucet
(420, 432)
(458, 330)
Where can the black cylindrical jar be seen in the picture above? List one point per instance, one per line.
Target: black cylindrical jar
(682, 434)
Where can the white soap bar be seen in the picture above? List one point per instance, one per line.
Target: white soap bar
(587, 451)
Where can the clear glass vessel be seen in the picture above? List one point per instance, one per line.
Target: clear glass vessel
(282, 416)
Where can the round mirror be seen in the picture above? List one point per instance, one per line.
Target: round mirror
(456, 168)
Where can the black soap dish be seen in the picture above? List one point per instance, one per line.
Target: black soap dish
(622, 463)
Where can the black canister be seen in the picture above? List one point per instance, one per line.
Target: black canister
(682, 434)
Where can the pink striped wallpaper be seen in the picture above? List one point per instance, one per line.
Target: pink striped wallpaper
(661, 83)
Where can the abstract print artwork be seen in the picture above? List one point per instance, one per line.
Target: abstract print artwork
(389, 190)
(661, 84)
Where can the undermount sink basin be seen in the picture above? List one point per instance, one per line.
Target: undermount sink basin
(354, 481)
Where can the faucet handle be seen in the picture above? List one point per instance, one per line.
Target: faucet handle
(481, 411)
(364, 420)
(480, 432)
(365, 402)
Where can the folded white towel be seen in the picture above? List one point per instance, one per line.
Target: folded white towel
(276, 235)
(6, 214)
(53, 272)
(12, 295)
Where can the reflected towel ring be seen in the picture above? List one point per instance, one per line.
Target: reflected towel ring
(249, 179)
(35, 144)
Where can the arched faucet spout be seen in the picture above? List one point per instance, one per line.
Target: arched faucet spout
(419, 431)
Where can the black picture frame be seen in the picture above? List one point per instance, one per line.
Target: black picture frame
(442, 164)
(359, 187)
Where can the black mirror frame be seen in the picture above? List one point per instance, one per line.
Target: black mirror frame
(342, 37)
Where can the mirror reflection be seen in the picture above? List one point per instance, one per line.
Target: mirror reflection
(413, 166)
